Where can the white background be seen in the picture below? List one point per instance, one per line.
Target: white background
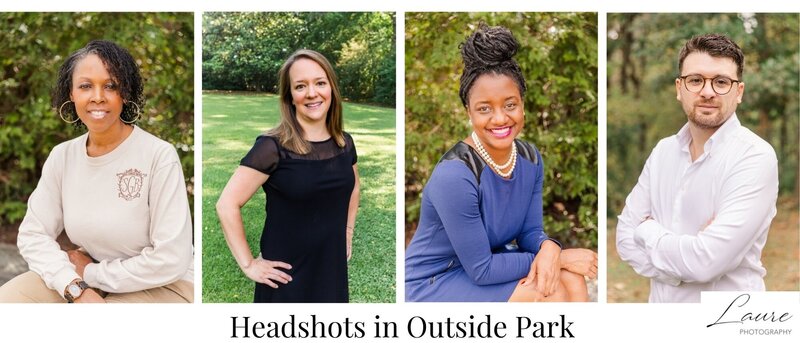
(212, 322)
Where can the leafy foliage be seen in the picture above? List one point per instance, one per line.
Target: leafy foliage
(558, 57)
(32, 48)
(244, 51)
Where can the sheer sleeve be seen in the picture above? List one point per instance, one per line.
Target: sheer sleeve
(350, 144)
(263, 156)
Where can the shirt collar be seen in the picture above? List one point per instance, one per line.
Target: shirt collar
(725, 130)
(684, 137)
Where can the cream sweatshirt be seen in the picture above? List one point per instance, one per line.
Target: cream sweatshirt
(128, 209)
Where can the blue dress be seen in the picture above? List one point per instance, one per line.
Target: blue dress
(468, 216)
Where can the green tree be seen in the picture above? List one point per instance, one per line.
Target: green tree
(244, 51)
(558, 56)
(32, 48)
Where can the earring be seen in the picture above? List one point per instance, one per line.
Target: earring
(138, 114)
(62, 115)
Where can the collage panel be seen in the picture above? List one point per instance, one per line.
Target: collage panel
(501, 157)
(299, 157)
(428, 161)
(702, 154)
(97, 154)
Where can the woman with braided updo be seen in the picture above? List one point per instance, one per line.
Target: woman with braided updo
(480, 235)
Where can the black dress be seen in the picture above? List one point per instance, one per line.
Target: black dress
(307, 202)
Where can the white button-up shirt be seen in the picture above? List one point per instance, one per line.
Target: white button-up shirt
(708, 219)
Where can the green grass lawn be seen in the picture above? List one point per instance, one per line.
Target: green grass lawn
(231, 122)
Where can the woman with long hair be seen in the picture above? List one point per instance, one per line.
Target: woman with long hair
(307, 168)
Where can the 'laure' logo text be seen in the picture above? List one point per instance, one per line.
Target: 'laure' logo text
(730, 317)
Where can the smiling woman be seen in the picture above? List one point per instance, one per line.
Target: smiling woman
(485, 195)
(306, 241)
(117, 191)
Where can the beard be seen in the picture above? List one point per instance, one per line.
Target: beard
(706, 121)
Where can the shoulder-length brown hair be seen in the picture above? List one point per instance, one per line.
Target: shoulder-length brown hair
(289, 131)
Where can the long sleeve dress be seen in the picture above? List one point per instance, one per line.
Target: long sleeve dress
(468, 216)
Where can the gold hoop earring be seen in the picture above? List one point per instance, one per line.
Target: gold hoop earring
(138, 114)
(62, 115)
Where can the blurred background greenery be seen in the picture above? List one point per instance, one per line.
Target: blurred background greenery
(244, 51)
(558, 56)
(33, 47)
(642, 109)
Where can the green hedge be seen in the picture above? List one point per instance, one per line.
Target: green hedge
(244, 51)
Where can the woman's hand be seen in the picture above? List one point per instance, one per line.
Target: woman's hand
(526, 292)
(265, 271)
(545, 268)
(80, 259)
(349, 242)
(580, 261)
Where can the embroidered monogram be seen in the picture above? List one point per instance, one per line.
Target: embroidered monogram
(130, 184)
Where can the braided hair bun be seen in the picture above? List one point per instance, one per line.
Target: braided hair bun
(489, 50)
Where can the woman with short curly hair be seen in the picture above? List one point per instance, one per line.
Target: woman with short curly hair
(117, 191)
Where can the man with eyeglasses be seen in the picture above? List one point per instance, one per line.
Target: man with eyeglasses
(698, 218)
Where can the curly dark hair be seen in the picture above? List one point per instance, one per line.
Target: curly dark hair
(489, 50)
(716, 45)
(120, 65)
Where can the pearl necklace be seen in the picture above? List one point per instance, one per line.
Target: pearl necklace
(512, 161)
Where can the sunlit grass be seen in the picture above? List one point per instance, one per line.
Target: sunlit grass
(231, 123)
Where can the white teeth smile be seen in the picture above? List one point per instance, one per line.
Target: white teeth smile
(501, 131)
(98, 114)
(314, 105)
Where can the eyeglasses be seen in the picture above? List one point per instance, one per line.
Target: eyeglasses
(695, 83)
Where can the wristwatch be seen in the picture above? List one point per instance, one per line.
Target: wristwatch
(75, 290)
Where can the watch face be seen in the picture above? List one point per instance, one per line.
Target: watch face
(74, 290)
